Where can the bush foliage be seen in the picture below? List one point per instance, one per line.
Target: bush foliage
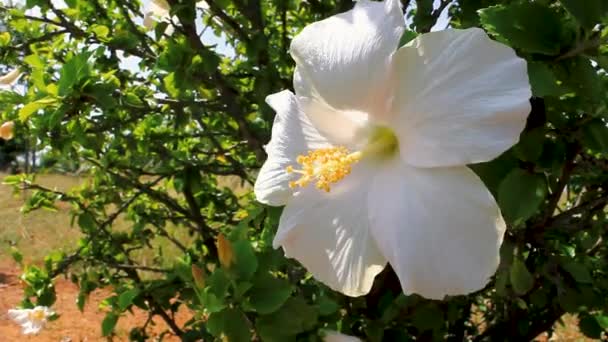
(172, 146)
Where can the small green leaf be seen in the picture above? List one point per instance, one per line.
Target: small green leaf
(578, 271)
(87, 222)
(406, 37)
(126, 298)
(100, 31)
(595, 136)
(269, 293)
(246, 262)
(543, 80)
(231, 323)
(108, 324)
(590, 326)
(521, 279)
(294, 317)
(5, 38)
(530, 146)
(520, 195)
(26, 111)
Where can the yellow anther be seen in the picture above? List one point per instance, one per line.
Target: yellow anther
(325, 166)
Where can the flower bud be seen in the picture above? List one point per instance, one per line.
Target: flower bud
(198, 274)
(10, 78)
(6, 130)
(224, 251)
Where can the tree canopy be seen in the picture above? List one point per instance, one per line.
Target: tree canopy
(169, 123)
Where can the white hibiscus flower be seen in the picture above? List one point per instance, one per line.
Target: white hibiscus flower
(369, 156)
(158, 10)
(334, 336)
(31, 320)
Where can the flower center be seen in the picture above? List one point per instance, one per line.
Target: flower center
(328, 166)
(36, 315)
(325, 166)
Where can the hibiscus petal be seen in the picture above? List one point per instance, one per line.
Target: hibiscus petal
(329, 234)
(292, 135)
(439, 228)
(20, 316)
(460, 98)
(344, 59)
(334, 336)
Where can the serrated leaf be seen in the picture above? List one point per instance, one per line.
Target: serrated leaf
(521, 279)
(530, 26)
(520, 195)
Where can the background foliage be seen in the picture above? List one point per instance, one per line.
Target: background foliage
(172, 147)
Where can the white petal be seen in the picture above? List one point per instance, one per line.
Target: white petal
(10, 78)
(18, 315)
(334, 336)
(460, 98)
(32, 328)
(439, 228)
(149, 21)
(342, 127)
(292, 135)
(329, 234)
(159, 8)
(344, 59)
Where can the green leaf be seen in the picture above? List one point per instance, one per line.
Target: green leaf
(100, 31)
(530, 146)
(73, 72)
(587, 12)
(406, 37)
(590, 326)
(595, 136)
(126, 298)
(530, 26)
(26, 111)
(246, 262)
(602, 321)
(5, 38)
(521, 279)
(578, 271)
(269, 293)
(520, 195)
(87, 222)
(108, 324)
(294, 317)
(543, 80)
(232, 323)
(427, 317)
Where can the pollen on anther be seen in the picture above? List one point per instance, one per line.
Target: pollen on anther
(324, 167)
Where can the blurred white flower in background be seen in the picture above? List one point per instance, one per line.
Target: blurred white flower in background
(31, 320)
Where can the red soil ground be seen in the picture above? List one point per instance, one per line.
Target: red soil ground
(72, 325)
